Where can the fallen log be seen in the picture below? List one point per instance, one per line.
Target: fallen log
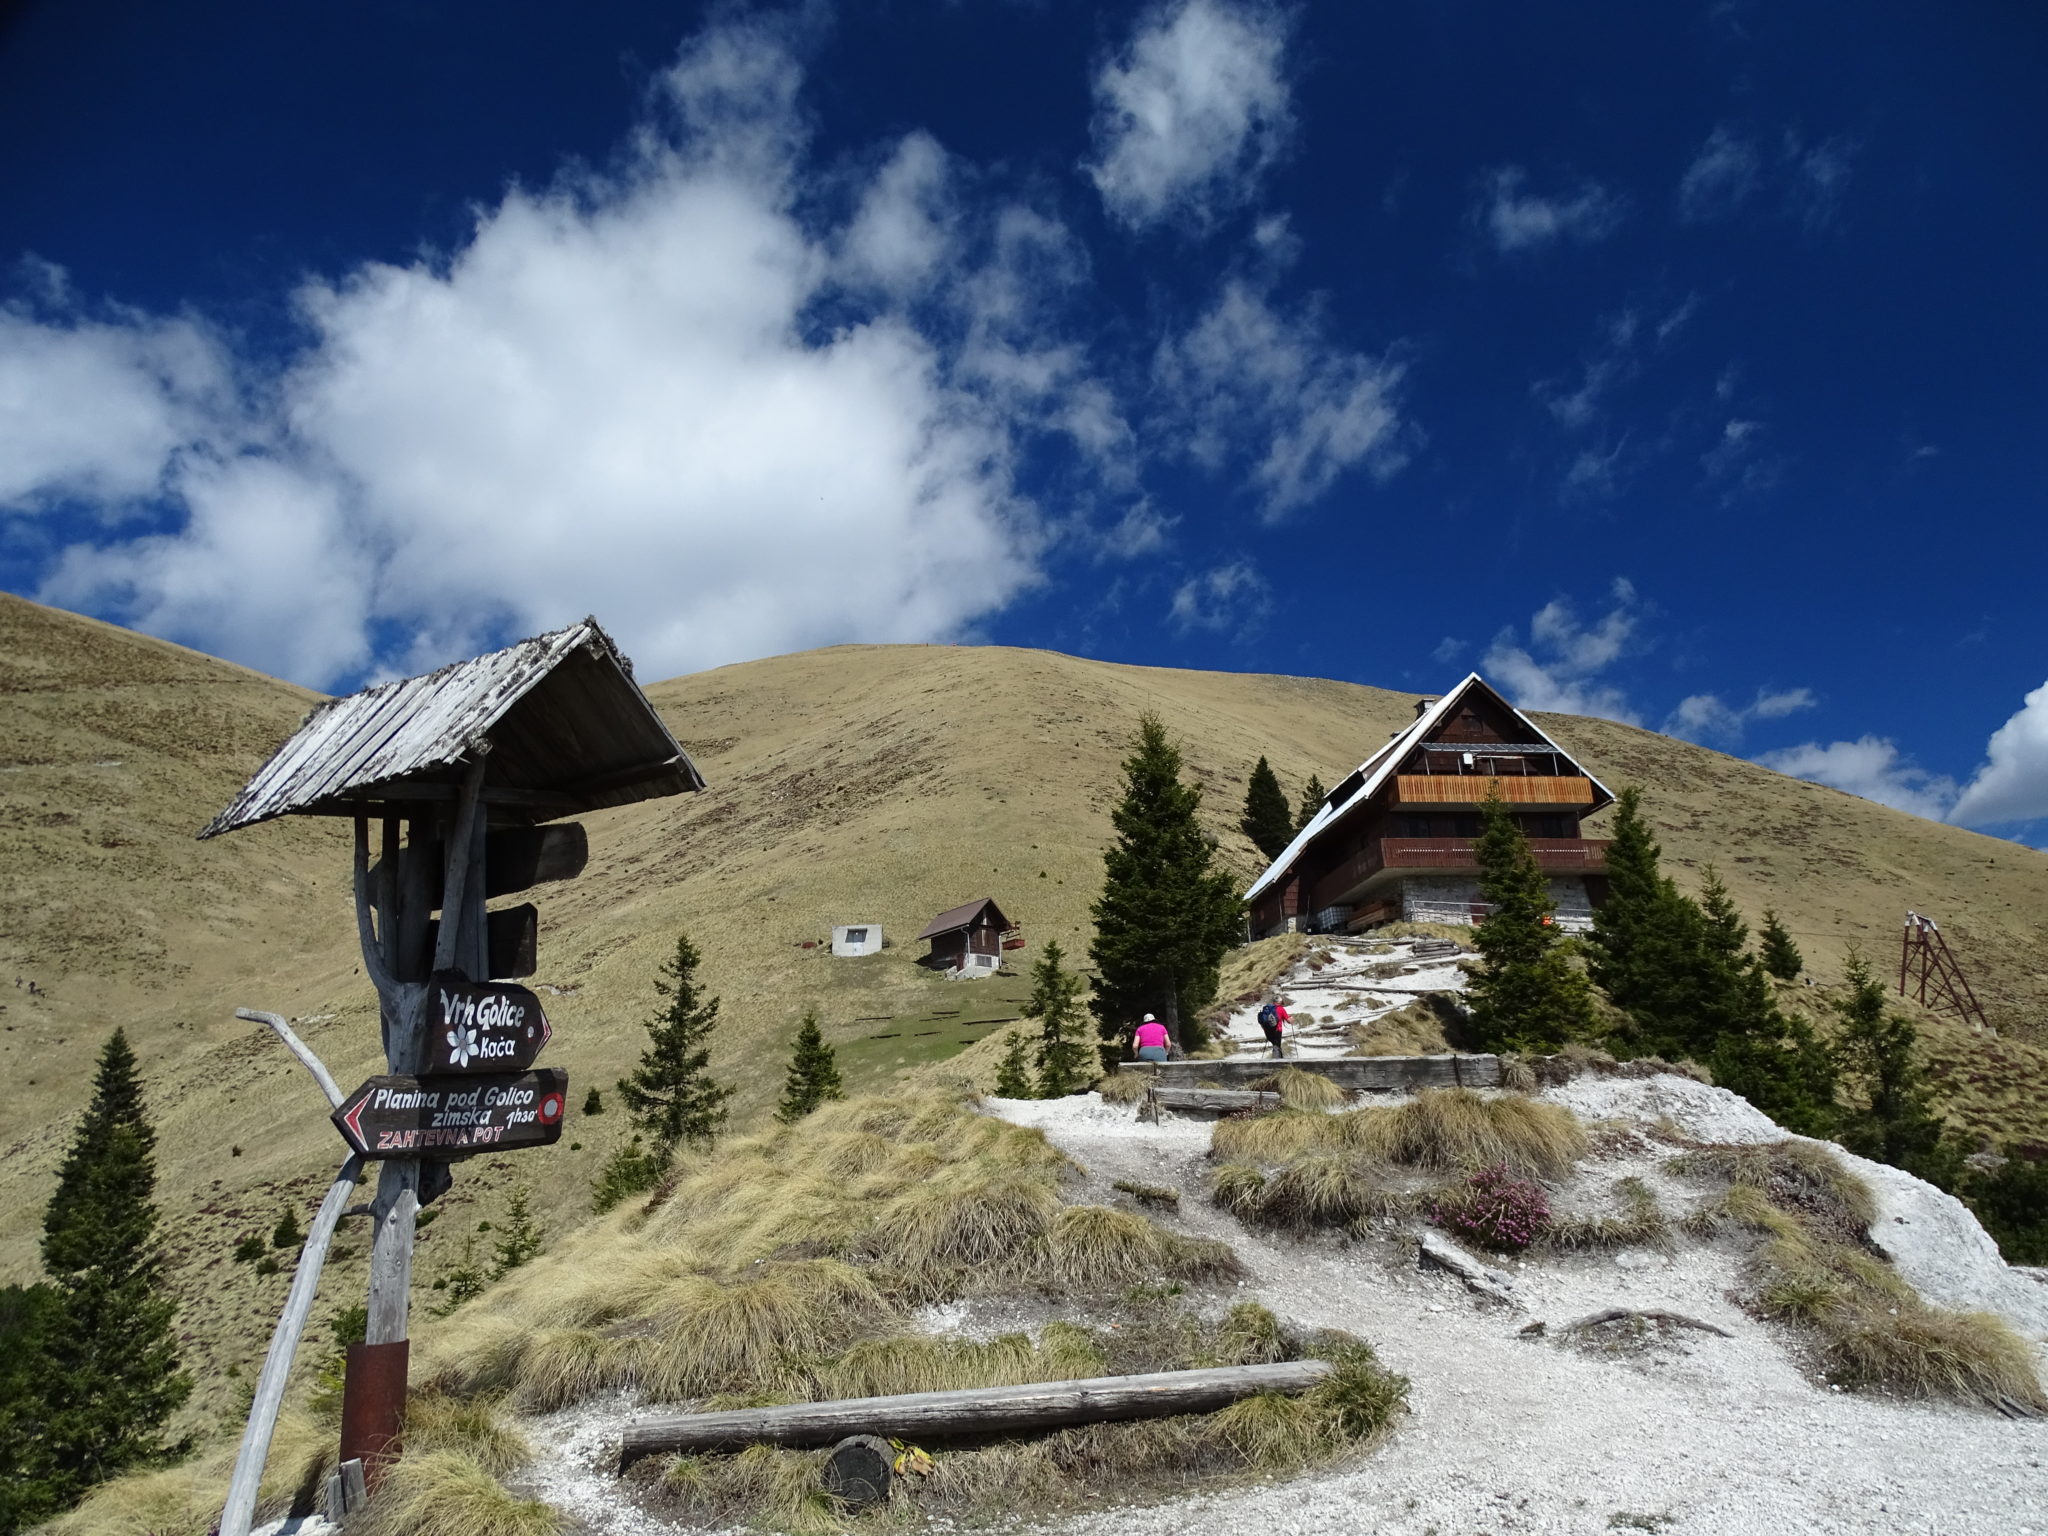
(1369, 1074)
(927, 1416)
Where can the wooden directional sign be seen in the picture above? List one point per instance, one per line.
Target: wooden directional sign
(489, 1026)
(448, 1117)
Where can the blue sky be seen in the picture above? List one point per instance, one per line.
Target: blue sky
(1679, 364)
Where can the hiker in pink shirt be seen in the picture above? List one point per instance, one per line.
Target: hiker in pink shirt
(1151, 1040)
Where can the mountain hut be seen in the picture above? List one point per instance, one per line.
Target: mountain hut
(1395, 839)
(968, 939)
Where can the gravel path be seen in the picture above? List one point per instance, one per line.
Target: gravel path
(1362, 980)
(1513, 1435)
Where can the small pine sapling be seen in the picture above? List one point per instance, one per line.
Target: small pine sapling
(1781, 956)
(1063, 1060)
(465, 1281)
(1013, 1072)
(593, 1103)
(286, 1233)
(629, 1171)
(671, 1095)
(813, 1073)
(518, 1234)
(250, 1249)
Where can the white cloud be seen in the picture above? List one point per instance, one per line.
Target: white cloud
(1705, 717)
(1737, 464)
(613, 398)
(1870, 766)
(1518, 220)
(903, 228)
(1229, 597)
(2012, 785)
(1246, 374)
(1559, 670)
(98, 409)
(1191, 111)
(1142, 530)
(1720, 179)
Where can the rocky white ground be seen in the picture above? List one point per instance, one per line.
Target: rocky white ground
(1508, 1434)
(1362, 980)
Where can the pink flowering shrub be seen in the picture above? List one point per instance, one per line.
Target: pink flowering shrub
(1496, 1209)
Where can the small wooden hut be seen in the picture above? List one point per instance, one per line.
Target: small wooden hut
(969, 939)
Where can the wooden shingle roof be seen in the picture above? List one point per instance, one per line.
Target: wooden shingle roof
(558, 719)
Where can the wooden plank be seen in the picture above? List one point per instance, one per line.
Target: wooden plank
(400, 1116)
(928, 1416)
(1362, 1074)
(1212, 1101)
(512, 941)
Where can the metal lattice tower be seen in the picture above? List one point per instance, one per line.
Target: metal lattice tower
(1930, 971)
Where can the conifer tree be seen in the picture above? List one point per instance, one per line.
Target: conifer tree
(1266, 820)
(1781, 956)
(1775, 1062)
(813, 1073)
(518, 1234)
(1165, 916)
(1064, 1061)
(109, 1377)
(1646, 938)
(26, 1314)
(1889, 1113)
(672, 1097)
(1528, 996)
(1013, 1072)
(1312, 794)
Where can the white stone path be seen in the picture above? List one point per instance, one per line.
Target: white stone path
(1363, 979)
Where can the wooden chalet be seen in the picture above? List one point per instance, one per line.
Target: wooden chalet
(970, 939)
(1395, 840)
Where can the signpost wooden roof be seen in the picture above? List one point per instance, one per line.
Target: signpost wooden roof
(565, 727)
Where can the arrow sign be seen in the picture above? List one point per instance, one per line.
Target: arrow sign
(489, 1026)
(450, 1117)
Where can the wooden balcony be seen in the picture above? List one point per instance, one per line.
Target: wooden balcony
(1466, 789)
(1554, 856)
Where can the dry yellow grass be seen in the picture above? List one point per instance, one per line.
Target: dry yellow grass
(444, 1493)
(859, 783)
(1439, 1130)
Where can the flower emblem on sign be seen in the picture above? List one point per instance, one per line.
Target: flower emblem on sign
(461, 1046)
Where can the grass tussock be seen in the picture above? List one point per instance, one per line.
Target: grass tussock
(1871, 1327)
(1279, 1137)
(921, 1363)
(1640, 1222)
(445, 1493)
(1122, 1087)
(1454, 1130)
(1304, 1090)
(1237, 1188)
(470, 1427)
(186, 1499)
(1327, 1189)
(1440, 1130)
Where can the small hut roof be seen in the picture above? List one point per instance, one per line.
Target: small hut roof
(564, 727)
(962, 917)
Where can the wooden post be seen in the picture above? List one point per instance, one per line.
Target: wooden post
(373, 1397)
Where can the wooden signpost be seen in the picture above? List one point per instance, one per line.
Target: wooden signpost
(457, 770)
(492, 1027)
(451, 1117)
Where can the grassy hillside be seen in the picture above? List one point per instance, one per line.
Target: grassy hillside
(855, 784)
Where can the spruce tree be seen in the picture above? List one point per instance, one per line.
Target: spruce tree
(671, 1095)
(518, 1234)
(1312, 794)
(813, 1073)
(1527, 996)
(1645, 937)
(109, 1374)
(1166, 916)
(26, 1496)
(1013, 1072)
(1064, 1062)
(1889, 1113)
(1266, 820)
(1780, 955)
(1775, 1062)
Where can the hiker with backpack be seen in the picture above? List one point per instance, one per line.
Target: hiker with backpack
(1273, 1020)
